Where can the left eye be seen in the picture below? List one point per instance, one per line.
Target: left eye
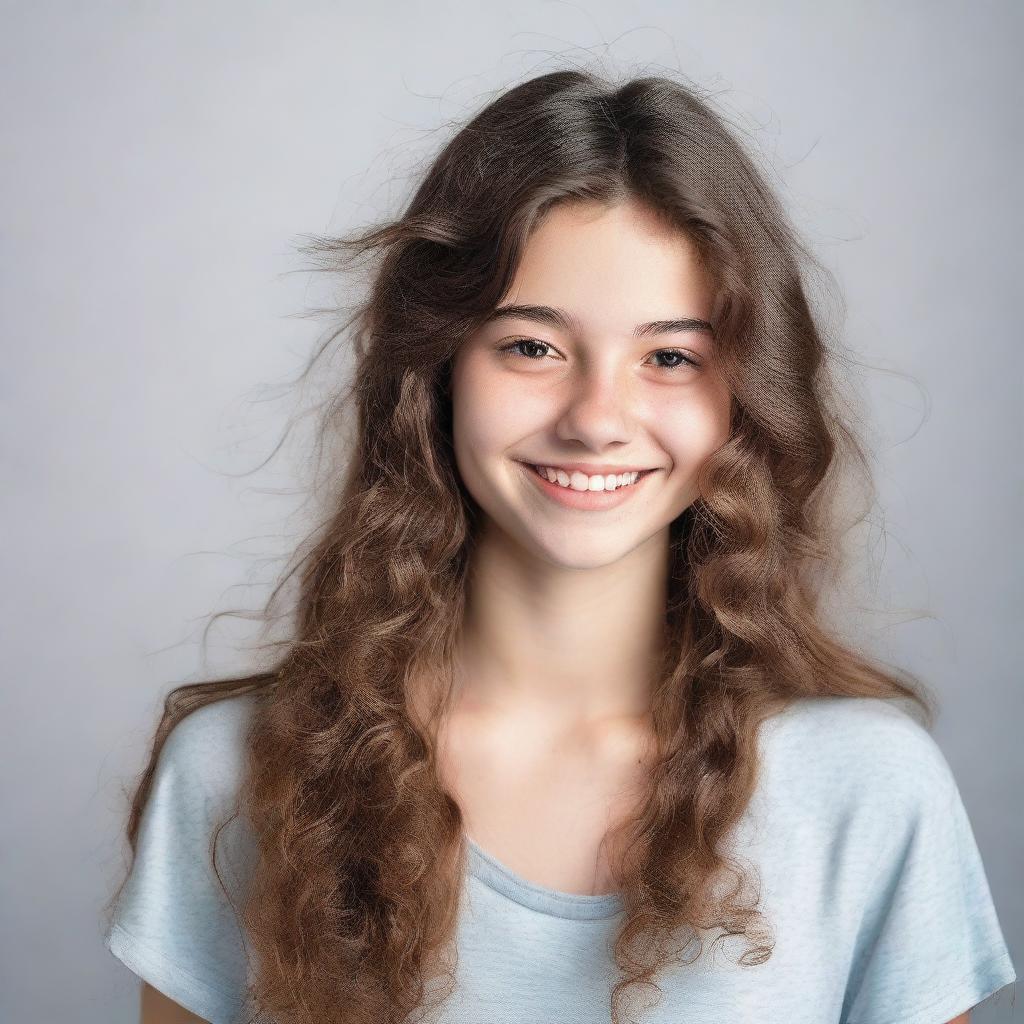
(684, 359)
(514, 348)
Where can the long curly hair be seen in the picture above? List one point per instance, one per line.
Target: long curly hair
(355, 893)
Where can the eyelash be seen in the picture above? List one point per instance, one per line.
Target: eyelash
(510, 350)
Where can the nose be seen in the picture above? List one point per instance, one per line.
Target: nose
(599, 410)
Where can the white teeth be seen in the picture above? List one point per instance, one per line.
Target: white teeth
(581, 482)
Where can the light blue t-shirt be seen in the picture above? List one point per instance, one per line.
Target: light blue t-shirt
(871, 879)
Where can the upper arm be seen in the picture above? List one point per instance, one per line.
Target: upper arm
(159, 1009)
(928, 942)
(176, 920)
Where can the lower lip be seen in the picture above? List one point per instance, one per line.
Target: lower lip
(586, 500)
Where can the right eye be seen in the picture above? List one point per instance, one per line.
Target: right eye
(513, 348)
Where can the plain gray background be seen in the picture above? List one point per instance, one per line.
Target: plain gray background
(159, 163)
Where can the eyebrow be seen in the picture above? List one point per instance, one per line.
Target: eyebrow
(552, 316)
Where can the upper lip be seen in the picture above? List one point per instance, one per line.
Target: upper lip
(591, 468)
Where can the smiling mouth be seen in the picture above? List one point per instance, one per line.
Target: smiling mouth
(586, 500)
(632, 480)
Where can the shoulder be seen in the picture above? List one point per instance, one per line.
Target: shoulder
(206, 748)
(223, 721)
(194, 797)
(867, 732)
(848, 750)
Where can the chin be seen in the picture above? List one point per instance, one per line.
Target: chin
(579, 556)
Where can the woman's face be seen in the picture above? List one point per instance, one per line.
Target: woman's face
(591, 395)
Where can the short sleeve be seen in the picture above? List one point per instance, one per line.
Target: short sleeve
(930, 945)
(173, 925)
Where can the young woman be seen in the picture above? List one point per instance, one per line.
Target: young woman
(561, 733)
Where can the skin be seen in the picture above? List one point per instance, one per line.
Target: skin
(560, 725)
(586, 588)
(156, 1008)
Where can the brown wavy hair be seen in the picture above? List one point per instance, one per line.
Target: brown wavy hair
(355, 892)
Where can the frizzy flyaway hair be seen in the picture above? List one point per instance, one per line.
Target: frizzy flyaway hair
(355, 892)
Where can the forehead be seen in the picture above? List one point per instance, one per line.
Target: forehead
(611, 265)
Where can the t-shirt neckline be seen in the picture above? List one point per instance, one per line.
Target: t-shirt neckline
(502, 879)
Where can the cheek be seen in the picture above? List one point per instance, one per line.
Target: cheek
(691, 428)
(492, 410)
(484, 419)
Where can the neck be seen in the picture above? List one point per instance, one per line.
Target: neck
(575, 646)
